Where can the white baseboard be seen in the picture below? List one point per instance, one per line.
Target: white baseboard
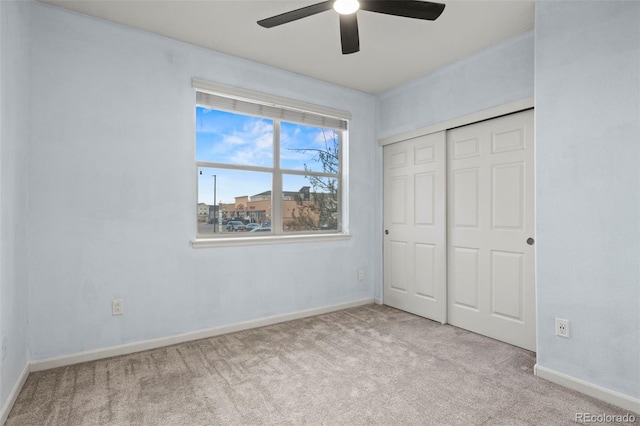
(144, 345)
(377, 301)
(612, 397)
(6, 409)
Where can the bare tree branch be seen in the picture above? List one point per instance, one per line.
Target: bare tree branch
(320, 210)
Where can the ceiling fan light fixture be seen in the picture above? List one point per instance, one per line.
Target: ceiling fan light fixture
(349, 38)
(346, 7)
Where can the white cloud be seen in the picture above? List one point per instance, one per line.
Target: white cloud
(232, 140)
(322, 136)
(253, 144)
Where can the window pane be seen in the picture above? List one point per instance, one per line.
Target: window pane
(224, 137)
(310, 203)
(309, 148)
(241, 196)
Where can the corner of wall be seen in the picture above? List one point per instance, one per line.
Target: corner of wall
(14, 137)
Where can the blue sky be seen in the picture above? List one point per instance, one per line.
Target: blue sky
(224, 137)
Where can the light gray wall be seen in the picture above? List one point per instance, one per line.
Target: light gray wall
(112, 200)
(495, 76)
(588, 190)
(14, 97)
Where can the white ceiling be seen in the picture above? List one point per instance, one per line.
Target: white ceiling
(393, 50)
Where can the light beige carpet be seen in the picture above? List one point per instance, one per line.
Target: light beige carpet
(371, 365)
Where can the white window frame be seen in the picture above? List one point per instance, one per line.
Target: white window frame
(297, 109)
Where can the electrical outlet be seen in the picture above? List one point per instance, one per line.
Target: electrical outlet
(360, 274)
(117, 307)
(562, 327)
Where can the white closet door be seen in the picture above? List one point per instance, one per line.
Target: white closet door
(490, 217)
(415, 226)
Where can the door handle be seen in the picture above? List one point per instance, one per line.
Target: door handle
(530, 241)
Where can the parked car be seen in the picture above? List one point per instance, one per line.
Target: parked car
(261, 229)
(235, 226)
(251, 226)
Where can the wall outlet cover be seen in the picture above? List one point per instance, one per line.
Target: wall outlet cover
(117, 307)
(562, 327)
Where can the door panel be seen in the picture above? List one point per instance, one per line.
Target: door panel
(398, 274)
(465, 198)
(414, 216)
(424, 199)
(490, 199)
(463, 280)
(398, 200)
(508, 192)
(507, 284)
(424, 259)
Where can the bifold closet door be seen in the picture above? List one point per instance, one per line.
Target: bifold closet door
(491, 228)
(415, 226)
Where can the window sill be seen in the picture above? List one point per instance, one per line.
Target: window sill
(267, 240)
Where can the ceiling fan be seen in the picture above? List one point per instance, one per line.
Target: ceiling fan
(348, 22)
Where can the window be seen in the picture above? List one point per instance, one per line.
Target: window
(267, 167)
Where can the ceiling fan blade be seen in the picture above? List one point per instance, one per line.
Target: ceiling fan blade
(349, 34)
(407, 8)
(294, 15)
